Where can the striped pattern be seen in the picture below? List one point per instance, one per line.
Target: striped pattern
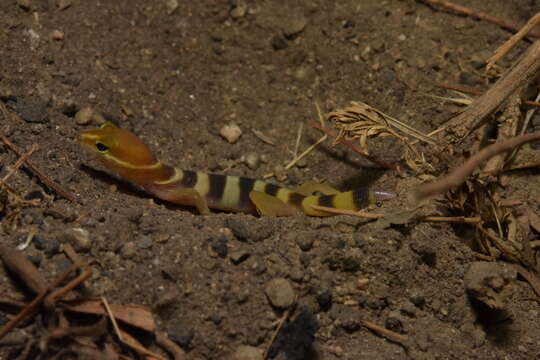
(127, 156)
(233, 193)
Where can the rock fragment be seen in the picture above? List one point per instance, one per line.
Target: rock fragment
(231, 133)
(280, 293)
(487, 282)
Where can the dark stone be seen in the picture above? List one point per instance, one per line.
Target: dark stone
(29, 111)
(418, 300)
(349, 319)
(248, 231)
(296, 337)
(180, 334)
(216, 318)
(297, 274)
(34, 195)
(279, 42)
(238, 228)
(219, 245)
(394, 322)
(427, 253)
(407, 308)
(305, 241)
(39, 242)
(49, 246)
(238, 256)
(335, 311)
(324, 298)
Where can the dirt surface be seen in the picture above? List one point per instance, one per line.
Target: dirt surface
(176, 78)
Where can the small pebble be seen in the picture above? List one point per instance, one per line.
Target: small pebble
(280, 293)
(245, 352)
(305, 241)
(57, 35)
(181, 334)
(418, 300)
(294, 26)
(129, 249)
(258, 268)
(407, 308)
(394, 322)
(219, 245)
(25, 4)
(324, 298)
(34, 195)
(172, 5)
(252, 160)
(231, 133)
(216, 318)
(30, 112)
(145, 242)
(84, 116)
(349, 319)
(238, 256)
(63, 4)
(245, 231)
(53, 247)
(79, 238)
(239, 11)
(279, 42)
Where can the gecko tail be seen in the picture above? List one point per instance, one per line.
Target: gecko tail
(349, 200)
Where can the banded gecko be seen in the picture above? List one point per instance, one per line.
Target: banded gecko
(128, 157)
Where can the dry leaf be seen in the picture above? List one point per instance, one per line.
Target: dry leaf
(136, 315)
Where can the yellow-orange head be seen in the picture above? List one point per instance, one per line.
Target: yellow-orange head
(120, 151)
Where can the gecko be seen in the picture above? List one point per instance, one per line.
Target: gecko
(128, 157)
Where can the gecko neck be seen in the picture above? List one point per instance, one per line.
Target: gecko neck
(146, 175)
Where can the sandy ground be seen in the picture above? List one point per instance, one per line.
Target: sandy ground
(176, 78)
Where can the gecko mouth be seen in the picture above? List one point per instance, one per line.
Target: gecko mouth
(384, 195)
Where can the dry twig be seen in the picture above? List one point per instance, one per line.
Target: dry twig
(282, 322)
(361, 214)
(472, 91)
(384, 332)
(507, 46)
(478, 15)
(37, 171)
(18, 263)
(520, 74)
(19, 163)
(459, 175)
(170, 346)
(31, 309)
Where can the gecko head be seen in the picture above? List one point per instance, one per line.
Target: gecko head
(119, 150)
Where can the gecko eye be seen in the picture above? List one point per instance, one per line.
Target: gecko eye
(101, 147)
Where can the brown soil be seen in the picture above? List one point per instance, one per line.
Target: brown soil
(176, 79)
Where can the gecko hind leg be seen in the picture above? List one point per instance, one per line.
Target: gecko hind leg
(270, 205)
